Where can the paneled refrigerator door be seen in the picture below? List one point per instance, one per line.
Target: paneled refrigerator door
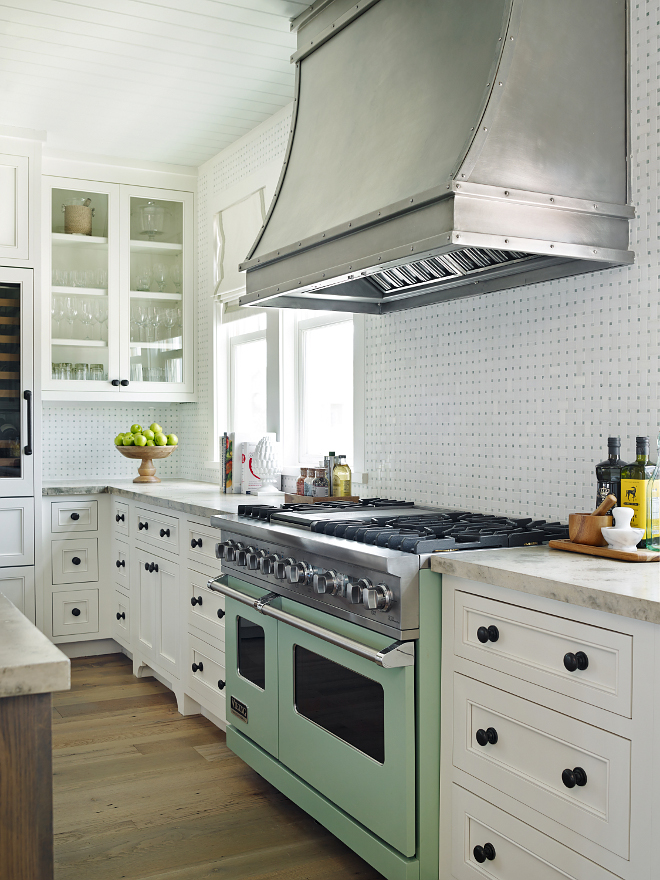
(16, 383)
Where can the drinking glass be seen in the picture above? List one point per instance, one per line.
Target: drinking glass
(103, 320)
(70, 314)
(79, 278)
(155, 321)
(136, 372)
(79, 371)
(60, 277)
(159, 274)
(65, 371)
(142, 313)
(101, 278)
(143, 280)
(176, 274)
(86, 318)
(169, 319)
(96, 372)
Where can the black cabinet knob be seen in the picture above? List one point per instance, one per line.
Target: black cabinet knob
(576, 776)
(124, 382)
(196, 542)
(151, 566)
(121, 563)
(76, 560)
(164, 533)
(197, 666)
(490, 634)
(146, 566)
(121, 616)
(115, 382)
(75, 516)
(576, 661)
(221, 613)
(482, 635)
(143, 525)
(119, 516)
(196, 601)
(484, 737)
(75, 612)
(481, 853)
(221, 685)
(493, 633)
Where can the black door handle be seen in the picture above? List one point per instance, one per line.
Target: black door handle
(490, 634)
(143, 525)
(121, 563)
(196, 601)
(197, 666)
(152, 566)
(576, 661)
(121, 616)
(221, 613)
(115, 382)
(576, 776)
(76, 560)
(481, 853)
(146, 566)
(164, 533)
(119, 516)
(484, 737)
(28, 396)
(196, 543)
(75, 517)
(75, 612)
(124, 382)
(221, 684)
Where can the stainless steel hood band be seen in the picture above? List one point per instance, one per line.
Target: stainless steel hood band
(395, 655)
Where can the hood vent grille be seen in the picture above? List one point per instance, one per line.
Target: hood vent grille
(454, 265)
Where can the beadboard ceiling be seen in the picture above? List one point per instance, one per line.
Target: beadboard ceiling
(171, 81)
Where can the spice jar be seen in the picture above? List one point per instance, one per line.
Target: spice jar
(300, 482)
(320, 483)
(309, 481)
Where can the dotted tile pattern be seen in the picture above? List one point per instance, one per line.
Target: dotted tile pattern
(504, 402)
(230, 166)
(78, 439)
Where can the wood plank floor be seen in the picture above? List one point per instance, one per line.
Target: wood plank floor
(141, 792)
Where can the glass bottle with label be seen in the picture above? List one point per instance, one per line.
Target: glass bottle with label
(341, 479)
(608, 473)
(635, 479)
(321, 489)
(300, 482)
(309, 482)
(653, 508)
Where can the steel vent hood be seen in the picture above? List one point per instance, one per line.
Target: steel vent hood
(446, 148)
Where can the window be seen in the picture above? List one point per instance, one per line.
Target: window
(247, 377)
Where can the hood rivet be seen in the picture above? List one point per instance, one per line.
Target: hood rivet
(552, 245)
(551, 199)
(595, 206)
(506, 192)
(506, 241)
(595, 251)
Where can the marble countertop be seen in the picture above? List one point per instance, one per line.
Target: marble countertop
(629, 589)
(187, 496)
(29, 662)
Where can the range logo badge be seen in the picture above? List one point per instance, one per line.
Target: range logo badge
(240, 710)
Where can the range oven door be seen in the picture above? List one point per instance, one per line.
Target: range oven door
(347, 726)
(251, 671)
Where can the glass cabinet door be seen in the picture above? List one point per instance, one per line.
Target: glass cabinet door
(84, 301)
(160, 289)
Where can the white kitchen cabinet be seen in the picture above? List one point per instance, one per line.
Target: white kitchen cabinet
(158, 625)
(17, 584)
(118, 319)
(16, 531)
(14, 211)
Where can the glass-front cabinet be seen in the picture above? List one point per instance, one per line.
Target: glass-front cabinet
(119, 263)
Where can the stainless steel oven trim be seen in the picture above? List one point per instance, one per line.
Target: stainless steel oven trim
(394, 656)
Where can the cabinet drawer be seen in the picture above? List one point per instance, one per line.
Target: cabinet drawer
(120, 564)
(206, 679)
(75, 611)
(533, 748)
(210, 613)
(532, 645)
(73, 516)
(16, 531)
(121, 618)
(75, 561)
(201, 543)
(120, 517)
(520, 852)
(157, 529)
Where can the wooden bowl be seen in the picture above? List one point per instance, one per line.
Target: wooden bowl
(583, 528)
(147, 469)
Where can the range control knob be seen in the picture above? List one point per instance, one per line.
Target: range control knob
(268, 563)
(281, 567)
(242, 555)
(254, 559)
(354, 593)
(378, 598)
(221, 549)
(232, 552)
(326, 582)
(300, 573)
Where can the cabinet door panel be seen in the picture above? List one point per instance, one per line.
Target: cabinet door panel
(169, 618)
(147, 607)
(14, 218)
(16, 531)
(17, 584)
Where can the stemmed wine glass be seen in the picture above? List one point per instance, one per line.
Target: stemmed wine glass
(86, 318)
(57, 313)
(142, 314)
(169, 319)
(159, 275)
(70, 313)
(176, 274)
(155, 319)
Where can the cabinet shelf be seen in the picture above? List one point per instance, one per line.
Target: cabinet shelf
(163, 344)
(150, 247)
(150, 294)
(80, 291)
(81, 343)
(63, 239)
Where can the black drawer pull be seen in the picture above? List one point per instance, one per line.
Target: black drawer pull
(124, 382)
(119, 516)
(197, 666)
(576, 661)
(574, 777)
(196, 601)
(76, 560)
(151, 566)
(196, 542)
(75, 516)
(146, 566)
(221, 685)
(121, 563)
(143, 525)
(484, 737)
(221, 613)
(75, 612)
(481, 853)
(490, 634)
(121, 616)
(164, 533)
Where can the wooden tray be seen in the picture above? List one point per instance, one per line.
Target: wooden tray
(637, 556)
(317, 499)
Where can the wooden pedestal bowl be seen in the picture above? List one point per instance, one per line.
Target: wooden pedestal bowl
(146, 455)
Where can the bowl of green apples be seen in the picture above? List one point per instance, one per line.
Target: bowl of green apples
(146, 444)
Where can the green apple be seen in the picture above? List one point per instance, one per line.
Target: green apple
(160, 439)
(156, 428)
(119, 440)
(139, 439)
(172, 440)
(136, 429)
(128, 440)
(148, 433)
(150, 443)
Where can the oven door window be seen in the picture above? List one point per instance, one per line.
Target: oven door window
(345, 703)
(251, 641)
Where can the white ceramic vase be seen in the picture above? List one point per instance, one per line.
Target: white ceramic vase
(266, 465)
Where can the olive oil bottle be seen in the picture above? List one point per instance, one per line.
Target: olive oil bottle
(341, 478)
(608, 473)
(635, 480)
(653, 508)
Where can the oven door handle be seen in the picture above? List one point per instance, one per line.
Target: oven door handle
(395, 655)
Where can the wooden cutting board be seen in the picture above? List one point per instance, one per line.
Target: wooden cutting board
(637, 556)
